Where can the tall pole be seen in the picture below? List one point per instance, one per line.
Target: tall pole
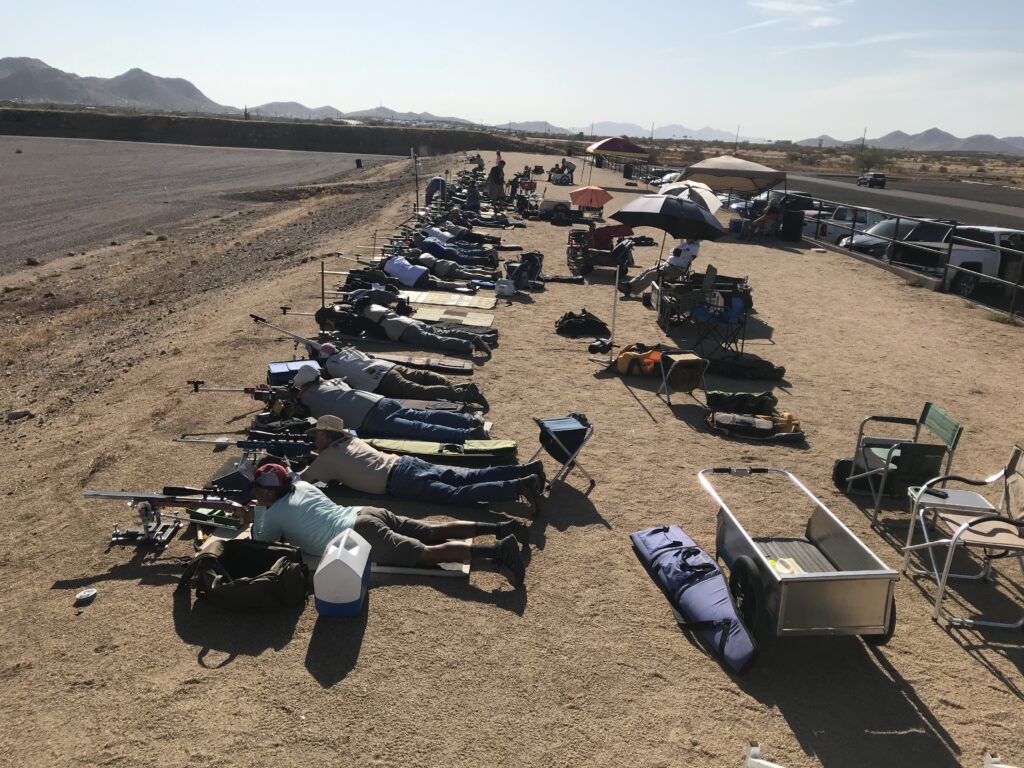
(736, 144)
(416, 177)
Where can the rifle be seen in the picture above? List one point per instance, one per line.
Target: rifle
(315, 346)
(279, 447)
(156, 528)
(263, 393)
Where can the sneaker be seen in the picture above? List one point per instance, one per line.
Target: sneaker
(509, 557)
(515, 528)
(481, 346)
(531, 489)
(536, 468)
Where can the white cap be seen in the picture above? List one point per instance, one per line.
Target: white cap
(307, 374)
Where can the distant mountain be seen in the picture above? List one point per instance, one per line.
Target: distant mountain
(296, 110)
(535, 126)
(384, 113)
(606, 128)
(34, 81)
(700, 134)
(932, 140)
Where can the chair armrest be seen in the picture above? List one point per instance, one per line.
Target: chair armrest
(884, 420)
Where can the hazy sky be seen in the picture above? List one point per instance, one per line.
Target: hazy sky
(779, 68)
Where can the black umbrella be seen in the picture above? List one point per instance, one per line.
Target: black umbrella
(678, 217)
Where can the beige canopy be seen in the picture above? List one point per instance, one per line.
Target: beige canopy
(727, 173)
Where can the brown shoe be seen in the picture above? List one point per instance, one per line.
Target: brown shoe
(536, 468)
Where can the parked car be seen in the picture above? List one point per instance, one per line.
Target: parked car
(789, 199)
(834, 225)
(874, 241)
(987, 251)
(871, 179)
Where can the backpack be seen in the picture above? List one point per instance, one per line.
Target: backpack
(638, 360)
(746, 366)
(247, 575)
(756, 404)
(582, 324)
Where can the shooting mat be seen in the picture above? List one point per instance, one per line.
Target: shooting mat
(432, 313)
(447, 299)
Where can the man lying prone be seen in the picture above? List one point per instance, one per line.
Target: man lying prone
(302, 515)
(344, 458)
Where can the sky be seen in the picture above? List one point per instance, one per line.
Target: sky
(778, 69)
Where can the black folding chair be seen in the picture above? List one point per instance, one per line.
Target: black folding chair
(563, 439)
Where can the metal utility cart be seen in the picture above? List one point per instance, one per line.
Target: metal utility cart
(826, 582)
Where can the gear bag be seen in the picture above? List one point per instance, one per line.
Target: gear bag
(582, 324)
(638, 360)
(246, 575)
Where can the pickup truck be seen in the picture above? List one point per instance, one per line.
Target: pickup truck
(835, 225)
(990, 251)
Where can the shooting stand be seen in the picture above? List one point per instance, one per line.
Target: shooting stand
(153, 530)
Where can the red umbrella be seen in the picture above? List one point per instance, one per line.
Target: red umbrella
(618, 146)
(590, 197)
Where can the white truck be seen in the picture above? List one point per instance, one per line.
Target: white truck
(833, 226)
(988, 251)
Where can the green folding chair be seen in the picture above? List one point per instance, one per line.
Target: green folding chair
(891, 464)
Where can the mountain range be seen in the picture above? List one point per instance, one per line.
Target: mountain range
(932, 140)
(30, 81)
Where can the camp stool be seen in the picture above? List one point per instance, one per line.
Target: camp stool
(681, 372)
(563, 439)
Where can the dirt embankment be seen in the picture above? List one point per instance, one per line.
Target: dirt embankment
(254, 134)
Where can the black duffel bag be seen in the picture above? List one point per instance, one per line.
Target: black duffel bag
(247, 575)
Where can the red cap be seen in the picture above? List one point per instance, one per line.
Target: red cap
(271, 476)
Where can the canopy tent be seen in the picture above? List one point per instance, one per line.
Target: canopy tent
(727, 173)
(618, 146)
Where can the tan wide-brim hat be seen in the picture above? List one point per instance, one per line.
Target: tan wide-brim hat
(328, 424)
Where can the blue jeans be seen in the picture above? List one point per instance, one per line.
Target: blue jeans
(413, 478)
(389, 419)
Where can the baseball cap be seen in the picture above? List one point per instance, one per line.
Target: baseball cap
(271, 476)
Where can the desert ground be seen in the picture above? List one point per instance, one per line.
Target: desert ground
(585, 666)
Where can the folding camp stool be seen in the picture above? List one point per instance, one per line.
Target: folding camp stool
(563, 439)
(681, 372)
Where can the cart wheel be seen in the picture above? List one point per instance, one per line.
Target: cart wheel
(748, 593)
(890, 628)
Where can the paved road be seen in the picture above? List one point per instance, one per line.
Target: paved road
(970, 203)
(61, 195)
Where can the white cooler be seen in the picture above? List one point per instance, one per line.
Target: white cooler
(343, 576)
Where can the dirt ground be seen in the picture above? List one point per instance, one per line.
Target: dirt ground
(586, 665)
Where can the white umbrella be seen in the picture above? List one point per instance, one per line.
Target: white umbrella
(699, 193)
(727, 173)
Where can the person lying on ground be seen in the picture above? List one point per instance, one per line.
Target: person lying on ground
(675, 270)
(344, 458)
(374, 415)
(450, 232)
(448, 269)
(419, 277)
(302, 515)
(464, 254)
(419, 334)
(360, 371)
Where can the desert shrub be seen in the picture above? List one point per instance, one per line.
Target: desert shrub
(943, 169)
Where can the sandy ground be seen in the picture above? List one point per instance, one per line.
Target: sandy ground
(583, 667)
(60, 196)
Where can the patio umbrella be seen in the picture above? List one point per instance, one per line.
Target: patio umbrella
(676, 216)
(727, 173)
(618, 146)
(590, 197)
(699, 193)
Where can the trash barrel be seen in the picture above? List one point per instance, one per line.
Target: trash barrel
(627, 171)
(599, 161)
(792, 226)
(359, 162)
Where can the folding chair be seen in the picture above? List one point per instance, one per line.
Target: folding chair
(563, 439)
(894, 463)
(723, 322)
(681, 372)
(968, 519)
